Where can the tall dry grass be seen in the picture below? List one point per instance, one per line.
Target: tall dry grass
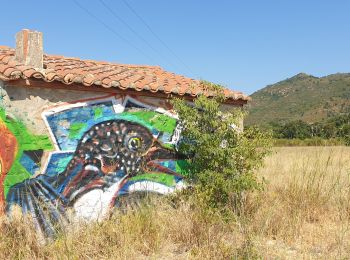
(154, 232)
(303, 212)
(305, 209)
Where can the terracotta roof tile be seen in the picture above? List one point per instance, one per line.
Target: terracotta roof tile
(105, 74)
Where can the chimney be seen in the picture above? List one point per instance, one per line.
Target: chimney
(29, 48)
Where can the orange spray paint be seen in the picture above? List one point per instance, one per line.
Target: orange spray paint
(8, 150)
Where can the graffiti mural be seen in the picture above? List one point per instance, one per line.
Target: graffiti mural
(99, 152)
(20, 153)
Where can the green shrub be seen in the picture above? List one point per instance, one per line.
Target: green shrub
(222, 158)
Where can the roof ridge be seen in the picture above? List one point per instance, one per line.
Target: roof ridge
(90, 60)
(54, 56)
(68, 70)
(99, 62)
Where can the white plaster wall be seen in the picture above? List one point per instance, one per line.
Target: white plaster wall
(27, 104)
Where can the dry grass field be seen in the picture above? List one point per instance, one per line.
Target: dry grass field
(303, 212)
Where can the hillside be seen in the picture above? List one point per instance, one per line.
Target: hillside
(302, 97)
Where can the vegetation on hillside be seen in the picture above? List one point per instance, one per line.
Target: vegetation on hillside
(334, 128)
(302, 97)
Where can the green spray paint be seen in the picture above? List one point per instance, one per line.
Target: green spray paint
(163, 178)
(159, 121)
(74, 130)
(98, 112)
(26, 142)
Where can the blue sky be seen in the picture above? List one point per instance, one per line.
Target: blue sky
(243, 45)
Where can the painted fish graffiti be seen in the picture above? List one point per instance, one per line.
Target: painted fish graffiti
(109, 153)
(126, 156)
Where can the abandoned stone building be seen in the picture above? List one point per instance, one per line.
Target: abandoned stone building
(83, 133)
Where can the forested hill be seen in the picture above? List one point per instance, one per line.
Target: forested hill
(302, 97)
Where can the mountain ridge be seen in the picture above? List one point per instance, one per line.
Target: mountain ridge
(301, 97)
